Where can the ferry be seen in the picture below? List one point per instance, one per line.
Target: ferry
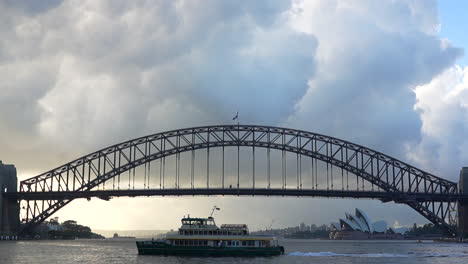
(202, 237)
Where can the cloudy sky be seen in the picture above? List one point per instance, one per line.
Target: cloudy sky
(80, 75)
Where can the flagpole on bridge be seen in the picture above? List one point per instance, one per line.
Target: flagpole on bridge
(236, 117)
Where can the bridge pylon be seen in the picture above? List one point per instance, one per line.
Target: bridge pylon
(9, 208)
(463, 205)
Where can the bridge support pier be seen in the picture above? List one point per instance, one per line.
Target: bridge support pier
(463, 206)
(9, 209)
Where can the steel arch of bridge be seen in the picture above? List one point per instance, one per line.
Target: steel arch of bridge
(433, 197)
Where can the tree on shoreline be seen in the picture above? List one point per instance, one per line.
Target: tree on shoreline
(71, 229)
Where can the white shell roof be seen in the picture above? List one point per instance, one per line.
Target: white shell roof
(363, 216)
(349, 223)
(358, 223)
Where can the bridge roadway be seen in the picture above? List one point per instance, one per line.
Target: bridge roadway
(107, 194)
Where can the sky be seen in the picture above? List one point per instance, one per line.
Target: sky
(78, 76)
(453, 20)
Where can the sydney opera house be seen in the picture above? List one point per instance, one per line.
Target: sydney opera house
(359, 226)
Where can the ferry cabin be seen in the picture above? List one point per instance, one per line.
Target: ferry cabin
(204, 232)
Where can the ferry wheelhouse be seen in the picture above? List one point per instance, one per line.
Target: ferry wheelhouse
(202, 237)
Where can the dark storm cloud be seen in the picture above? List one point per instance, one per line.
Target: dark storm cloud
(148, 65)
(32, 7)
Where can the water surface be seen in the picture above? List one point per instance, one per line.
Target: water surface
(297, 251)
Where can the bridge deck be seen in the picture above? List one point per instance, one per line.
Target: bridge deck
(107, 194)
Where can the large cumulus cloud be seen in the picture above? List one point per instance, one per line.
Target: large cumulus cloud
(99, 72)
(443, 107)
(369, 58)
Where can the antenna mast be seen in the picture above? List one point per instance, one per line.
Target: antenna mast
(212, 211)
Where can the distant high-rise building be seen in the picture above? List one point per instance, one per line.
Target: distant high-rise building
(302, 227)
(313, 227)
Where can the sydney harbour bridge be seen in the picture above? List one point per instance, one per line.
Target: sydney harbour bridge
(242, 160)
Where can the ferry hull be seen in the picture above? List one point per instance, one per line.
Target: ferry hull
(145, 248)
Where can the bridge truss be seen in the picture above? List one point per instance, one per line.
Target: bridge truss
(184, 161)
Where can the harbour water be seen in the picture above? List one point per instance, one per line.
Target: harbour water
(297, 251)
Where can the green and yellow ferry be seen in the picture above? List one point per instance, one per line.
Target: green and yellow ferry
(201, 237)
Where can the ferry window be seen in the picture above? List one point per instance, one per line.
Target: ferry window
(251, 243)
(229, 243)
(210, 232)
(244, 243)
(205, 243)
(191, 232)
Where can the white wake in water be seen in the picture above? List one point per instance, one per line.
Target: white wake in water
(377, 255)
